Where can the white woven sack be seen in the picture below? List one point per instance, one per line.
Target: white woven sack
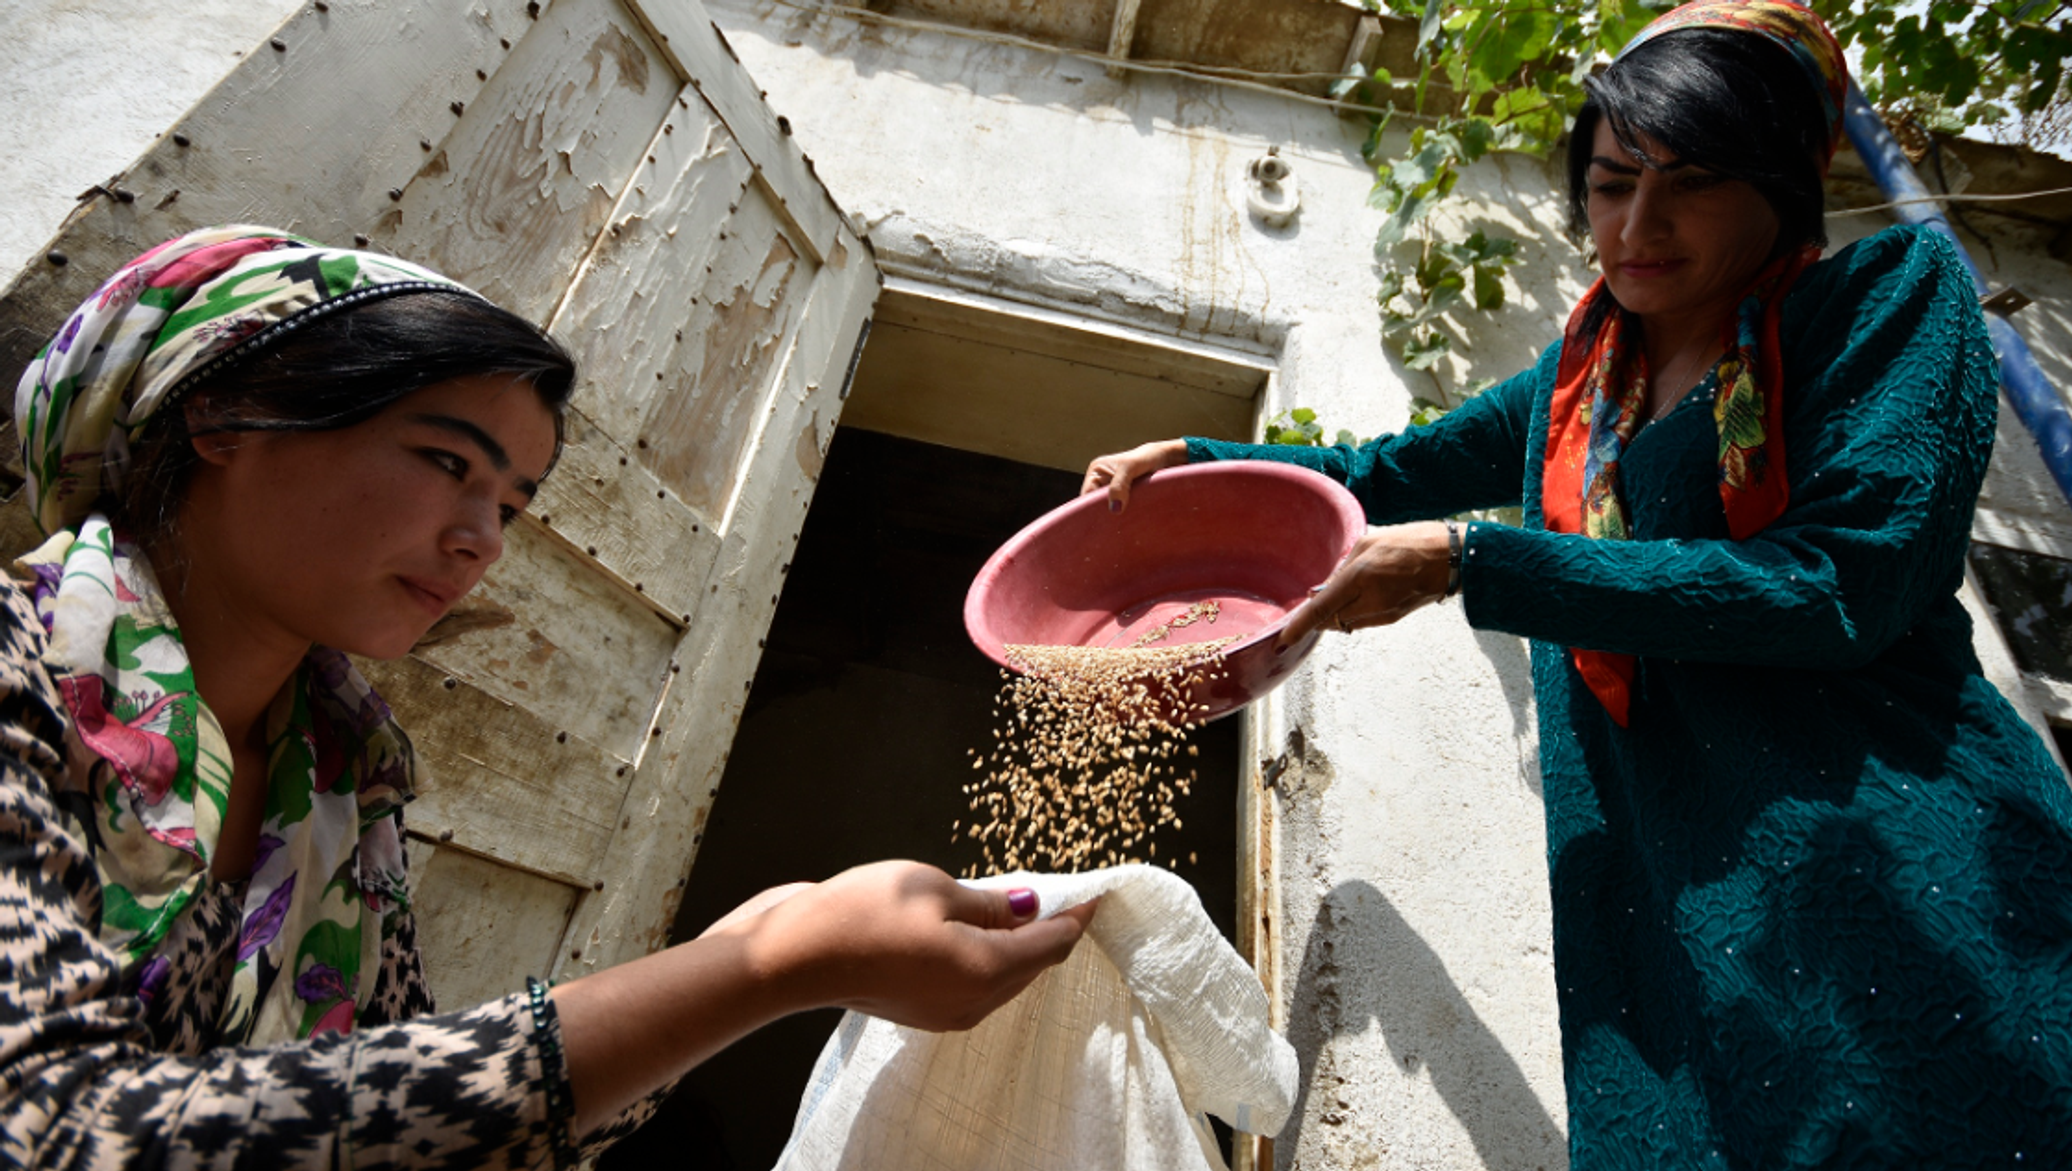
(1107, 1060)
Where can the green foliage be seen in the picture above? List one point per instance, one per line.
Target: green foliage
(1424, 411)
(1299, 428)
(1970, 64)
(1507, 75)
(1498, 76)
(1445, 273)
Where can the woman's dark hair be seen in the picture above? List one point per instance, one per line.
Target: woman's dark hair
(1731, 102)
(334, 371)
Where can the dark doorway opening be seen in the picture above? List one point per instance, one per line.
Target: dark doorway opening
(853, 748)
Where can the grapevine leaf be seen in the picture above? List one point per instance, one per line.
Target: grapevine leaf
(1489, 290)
(1391, 285)
(1423, 350)
(1519, 37)
(1518, 103)
(1385, 193)
(1417, 170)
(1428, 28)
(1476, 135)
(1398, 225)
(1424, 412)
(1444, 295)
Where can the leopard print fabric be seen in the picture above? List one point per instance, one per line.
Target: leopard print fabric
(94, 1077)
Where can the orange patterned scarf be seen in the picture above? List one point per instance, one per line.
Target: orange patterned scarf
(1600, 395)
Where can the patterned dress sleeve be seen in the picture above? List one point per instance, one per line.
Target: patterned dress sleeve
(1889, 424)
(400, 990)
(82, 1087)
(1473, 457)
(401, 993)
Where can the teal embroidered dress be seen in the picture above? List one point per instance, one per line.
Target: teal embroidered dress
(1814, 906)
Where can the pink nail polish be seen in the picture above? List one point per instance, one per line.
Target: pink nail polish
(1022, 902)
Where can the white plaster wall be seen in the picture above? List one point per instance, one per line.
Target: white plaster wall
(1416, 961)
(86, 85)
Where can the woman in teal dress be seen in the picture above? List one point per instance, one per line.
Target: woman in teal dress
(1811, 874)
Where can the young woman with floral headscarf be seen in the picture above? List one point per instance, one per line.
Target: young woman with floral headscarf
(253, 454)
(1812, 876)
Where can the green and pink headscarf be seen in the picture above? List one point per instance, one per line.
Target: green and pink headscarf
(166, 322)
(328, 883)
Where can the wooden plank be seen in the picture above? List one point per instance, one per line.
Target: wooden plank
(725, 367)
(1122, 30)
(702, 57)
(641, 289)
(643, 308)
(935, 309)
(524, 183)
(502, 782)
(1021, 405)
(482, 927)
(1258, 892)
(547, 632)
(601, 503)
(310, 138)
(663, 818)
(1363, 52)
(1266, 36)
(1077, 26)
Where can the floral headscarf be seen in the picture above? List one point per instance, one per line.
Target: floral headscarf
(1792, 27)
(1601, 388)
(168, 320)
(328, 880)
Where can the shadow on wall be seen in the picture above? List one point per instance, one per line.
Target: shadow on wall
(1424, 1020)
(1511, 658)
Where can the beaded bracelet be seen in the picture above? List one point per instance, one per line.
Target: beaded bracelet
(561, 1107)
(1452, 558)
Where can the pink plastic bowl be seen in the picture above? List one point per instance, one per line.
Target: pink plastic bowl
(1253, 537)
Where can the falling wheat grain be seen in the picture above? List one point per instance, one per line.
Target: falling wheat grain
(1082, 772)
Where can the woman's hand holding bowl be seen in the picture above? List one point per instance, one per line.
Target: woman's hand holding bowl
(1391, 571)
(1115, 473)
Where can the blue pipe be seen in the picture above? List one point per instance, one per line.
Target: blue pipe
(2035, 401)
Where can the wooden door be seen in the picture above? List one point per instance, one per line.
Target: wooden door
(605, 168)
